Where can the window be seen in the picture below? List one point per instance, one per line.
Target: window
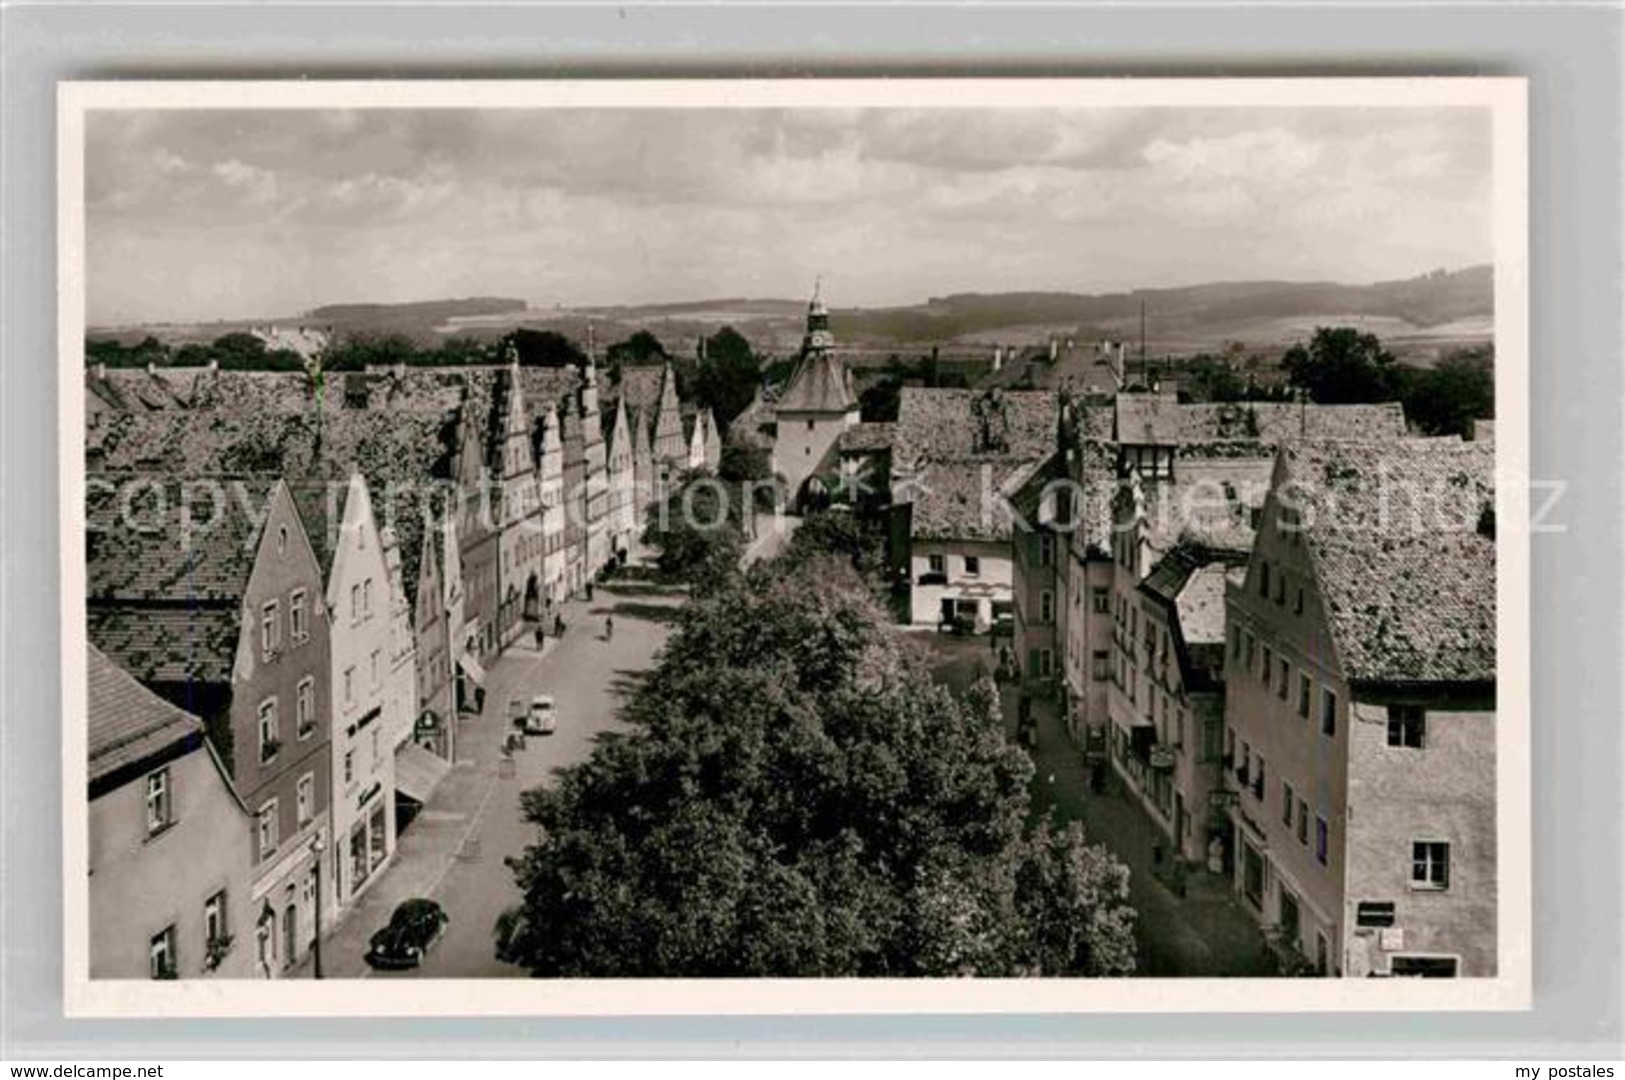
(1101, 599)
(1430, 864)
(1285, 686)
(1102, 665)
(1280, 588)
(306, 797)
(161, 960)
(1046, 606)
(1423, 967)
(355, 603)
(304, 707)
(1287, 803)
(349, 766)
(1258, 778)
(1322, 840)
(1264, 579)
(1297, 606)
(1247, 643)
(160, 809)
(298, 627)
(214, 918)
(376, 756)
(366, 598)
(267, 823)
(349, 685)
(1374, 913)
(1046, 549)
(268, 730)
(973, 565)
(1305, 694)
(1328, 711)
(1407, 726)
(1269, 666)
(809, 428)
(282, 540)
(377, 669)
(1303, 823)
(937, 564)
(270, 630)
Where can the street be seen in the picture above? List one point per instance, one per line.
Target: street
(454, 851)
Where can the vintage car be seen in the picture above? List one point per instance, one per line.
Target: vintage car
(413, 929)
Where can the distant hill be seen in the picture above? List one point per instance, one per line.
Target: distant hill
(1418, 318)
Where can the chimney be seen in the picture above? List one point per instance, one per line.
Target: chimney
(998, 358)
(152, 369)
(101, 370)
(1053, 346)
(214, 365)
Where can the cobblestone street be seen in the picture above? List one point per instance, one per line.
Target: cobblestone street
(453, 851)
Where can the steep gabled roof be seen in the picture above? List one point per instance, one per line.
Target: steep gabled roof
(1153, 419)
(820, 384)
(1401, 537)
(945, 423)
(128, 723)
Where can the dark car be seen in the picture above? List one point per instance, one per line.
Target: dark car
(415, 926)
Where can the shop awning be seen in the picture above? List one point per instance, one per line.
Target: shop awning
(418, 771)
(471, 667)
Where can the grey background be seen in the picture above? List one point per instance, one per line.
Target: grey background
(1572, 56)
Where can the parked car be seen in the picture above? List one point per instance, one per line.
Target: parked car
(413, 929)
(541, 718)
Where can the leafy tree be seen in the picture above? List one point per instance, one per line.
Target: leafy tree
(239, 351)
(728, 380)
(1447, 398)
(359, 350)
(698, 530)
(1342, 366)
(879, 400)
(542, 348)
(798, 797)
(641, 348)
(841, 534)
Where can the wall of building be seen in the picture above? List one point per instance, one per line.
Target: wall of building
(141, 883)
(806, 445)
(1260, 721)
(282, 877)
(1035, 553)
(367, 717)
(991, 584)
(1443, 791)
(1087, 632)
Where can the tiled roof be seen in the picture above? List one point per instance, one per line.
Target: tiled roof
(1161, 420)
(1405, 568)
(1096, 475)
(867, 437)
(821, 383)
(964, 498)
(948, 423)
(165, 538)
(195, 644)
(1209, 503)
(639, 387)
(129, 723)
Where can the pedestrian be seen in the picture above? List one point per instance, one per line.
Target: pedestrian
(609, 627)
(589, 588)
(558, 626)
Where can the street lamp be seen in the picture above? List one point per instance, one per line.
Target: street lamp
(317, 848)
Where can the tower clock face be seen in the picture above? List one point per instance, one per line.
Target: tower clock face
(821, 339)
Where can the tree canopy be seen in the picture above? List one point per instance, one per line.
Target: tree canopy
(727, 381)
(1342, 366)
(797, 797)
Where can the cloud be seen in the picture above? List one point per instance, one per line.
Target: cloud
(595, 205)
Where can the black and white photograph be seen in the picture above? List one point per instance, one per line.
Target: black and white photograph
(933, 545)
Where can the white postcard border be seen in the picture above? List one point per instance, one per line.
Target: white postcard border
(1511, 988)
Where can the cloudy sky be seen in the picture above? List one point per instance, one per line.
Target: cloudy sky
(234, 214)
